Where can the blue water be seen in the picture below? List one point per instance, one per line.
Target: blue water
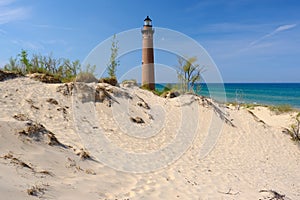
(260, 93)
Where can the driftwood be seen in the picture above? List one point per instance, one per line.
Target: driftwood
(257, 118)
(142, 103)
(276, 195)
(219, 112)
(229, 192)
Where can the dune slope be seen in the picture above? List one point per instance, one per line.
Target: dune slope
(95, 141)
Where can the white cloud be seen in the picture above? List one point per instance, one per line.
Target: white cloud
(9, 13)
(6, 2)
(46, 26)
(276, 31)
(2, 32)
(54, 42)
(285, 27)
(28, 45)
(231, 27)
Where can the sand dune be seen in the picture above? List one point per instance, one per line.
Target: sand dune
(95, 141)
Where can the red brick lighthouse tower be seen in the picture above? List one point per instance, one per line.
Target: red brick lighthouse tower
(148, 55)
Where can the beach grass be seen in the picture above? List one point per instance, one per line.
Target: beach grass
(250, 106)
(279, 109)
(159, 92)
(294, 129)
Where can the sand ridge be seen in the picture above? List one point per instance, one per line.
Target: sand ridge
(248, 161)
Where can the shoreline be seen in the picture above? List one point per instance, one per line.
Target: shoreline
(272, 94)
(286, 108)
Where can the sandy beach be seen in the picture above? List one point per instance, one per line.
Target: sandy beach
(96, 141)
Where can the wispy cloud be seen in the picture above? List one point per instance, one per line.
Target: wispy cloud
(9, 12)
(28, 45)
(276, 31)
(54, 42)
(2, 32)
(6, 2)
(231, 27)
(240, 45)
(46, 26)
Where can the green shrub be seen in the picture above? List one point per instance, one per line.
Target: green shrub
(62, 69)
(281, 109)
(14, 66)
(163, 92)
(294, 130)
(112, 81)
(86, 77)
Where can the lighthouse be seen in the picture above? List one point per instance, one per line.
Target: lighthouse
(148, 79)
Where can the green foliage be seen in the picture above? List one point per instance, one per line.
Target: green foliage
(147, 87)
(62, 69)
(250, 106)
(87, 75)
(67, 71)
(25, 61)
(45, 64)
(113, 62)
(157, 92)
(167, 88)
(294, 130)
(188, 73)
(281, 109)
(13, 66)
(112, 81)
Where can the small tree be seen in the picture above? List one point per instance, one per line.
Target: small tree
(113, 62)
(68, 70)
(50, 64)
(188, 72)
(36, 63)
(25, 61)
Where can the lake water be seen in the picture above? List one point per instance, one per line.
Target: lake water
(260, 93)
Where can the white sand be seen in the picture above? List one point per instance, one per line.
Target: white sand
(246, 159)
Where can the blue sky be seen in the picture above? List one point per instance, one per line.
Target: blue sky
(249, 40)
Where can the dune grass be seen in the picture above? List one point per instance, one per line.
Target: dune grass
(156, 91)
(294, 130)
(279, 109)
(61, 69)
(250, 106)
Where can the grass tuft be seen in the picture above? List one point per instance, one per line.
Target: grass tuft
(279, 109)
